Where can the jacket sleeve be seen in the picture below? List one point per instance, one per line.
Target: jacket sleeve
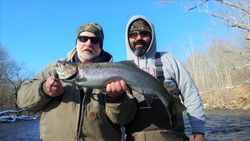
(31, 96)
(190, 94)
(122, 110)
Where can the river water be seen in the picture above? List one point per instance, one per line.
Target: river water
(220, 126)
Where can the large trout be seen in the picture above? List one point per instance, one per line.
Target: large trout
(97, 75)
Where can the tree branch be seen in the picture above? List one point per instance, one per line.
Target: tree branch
(225, 2)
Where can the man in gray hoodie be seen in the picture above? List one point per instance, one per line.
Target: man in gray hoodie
(151, 121)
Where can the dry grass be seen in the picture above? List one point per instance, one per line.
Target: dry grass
(237, 97)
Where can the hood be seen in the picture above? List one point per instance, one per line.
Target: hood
(150, 54)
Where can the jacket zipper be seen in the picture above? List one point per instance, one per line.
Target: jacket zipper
(82, 107)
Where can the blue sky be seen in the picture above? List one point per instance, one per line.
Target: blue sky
(37, 32)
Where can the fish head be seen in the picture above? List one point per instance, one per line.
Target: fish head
(66, 69)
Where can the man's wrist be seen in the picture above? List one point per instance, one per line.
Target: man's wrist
(42, 90)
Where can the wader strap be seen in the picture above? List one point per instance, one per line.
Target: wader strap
(159, 70)
(178, 123)
(172, 89)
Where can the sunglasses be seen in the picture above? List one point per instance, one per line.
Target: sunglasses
(84, 39)
(135, 34)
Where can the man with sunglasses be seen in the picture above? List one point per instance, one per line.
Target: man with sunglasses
(69, 112)
(151, 121)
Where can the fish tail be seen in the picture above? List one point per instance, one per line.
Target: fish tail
(179, 107)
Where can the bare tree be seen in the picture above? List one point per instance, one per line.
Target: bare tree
(10, 80)
(221, 65)
(234, 13)
(4, 58)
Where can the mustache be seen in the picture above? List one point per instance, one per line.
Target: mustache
(139, 42)
(89, 49)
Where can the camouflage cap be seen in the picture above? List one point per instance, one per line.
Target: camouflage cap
(140, 24)
(94, 28)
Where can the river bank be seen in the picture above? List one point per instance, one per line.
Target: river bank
(221, 125)
(231, 98)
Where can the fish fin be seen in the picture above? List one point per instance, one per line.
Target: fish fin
(80, 80)
(129, 63)
(178, 107)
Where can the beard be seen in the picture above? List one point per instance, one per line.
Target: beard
(141, 50)
(88, 54)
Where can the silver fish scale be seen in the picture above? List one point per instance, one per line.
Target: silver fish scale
(97, 75)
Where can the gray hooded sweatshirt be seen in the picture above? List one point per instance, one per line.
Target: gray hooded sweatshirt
(174, 74)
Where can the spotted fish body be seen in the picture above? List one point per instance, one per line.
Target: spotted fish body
(97, 75)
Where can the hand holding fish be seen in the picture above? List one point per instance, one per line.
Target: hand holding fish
(53, 87)
(197, 137)
(116, 88)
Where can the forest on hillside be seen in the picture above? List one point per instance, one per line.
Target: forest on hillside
(222, 65)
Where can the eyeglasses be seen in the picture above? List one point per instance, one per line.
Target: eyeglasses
(84, 39)
(135, 34)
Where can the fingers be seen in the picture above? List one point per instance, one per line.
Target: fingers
(53, 87)
(197, 137)
(123, 85)
(191, 138)
(116, 88)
